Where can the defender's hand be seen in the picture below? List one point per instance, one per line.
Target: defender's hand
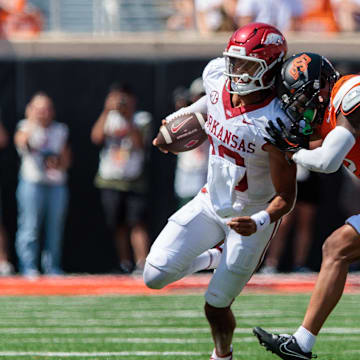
(285, 140)
(243, 225)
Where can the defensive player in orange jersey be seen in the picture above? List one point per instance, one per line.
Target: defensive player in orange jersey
(320, 106)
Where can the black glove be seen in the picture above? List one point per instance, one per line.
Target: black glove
(284, 139)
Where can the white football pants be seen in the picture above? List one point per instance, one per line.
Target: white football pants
(196, 228)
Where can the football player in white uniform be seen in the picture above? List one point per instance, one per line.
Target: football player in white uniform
(250, 183)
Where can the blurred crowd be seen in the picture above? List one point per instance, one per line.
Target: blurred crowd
(208, 16)
(123, 135)
(28, 18)
(20, 18)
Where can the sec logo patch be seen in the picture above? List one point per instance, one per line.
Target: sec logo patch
(214, 97)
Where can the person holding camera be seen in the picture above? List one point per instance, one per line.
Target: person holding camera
(42, 193)
(124, 134)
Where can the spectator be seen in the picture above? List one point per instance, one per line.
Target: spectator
(284, 14)
(191, 166)
(229, 20)
(18, 18)
(183, 16)
(111, 15)
(319, 17)
(347, 14)
(121, 179)
(181, 97)
(42, 192)
(301, 219)
(214, 15)
(6, 268)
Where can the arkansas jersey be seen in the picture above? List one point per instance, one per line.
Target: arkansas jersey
(340, 89)
(238, 172)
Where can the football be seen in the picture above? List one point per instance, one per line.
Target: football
(183, 133)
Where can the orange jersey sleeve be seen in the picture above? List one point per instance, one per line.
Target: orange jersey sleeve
(342, 86)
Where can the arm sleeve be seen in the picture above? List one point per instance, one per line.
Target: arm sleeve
(198, 106)
(330, 155)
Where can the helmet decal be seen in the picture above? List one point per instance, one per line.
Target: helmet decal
(214, 97)
(273, 38)
(299, 64)
(240, 50)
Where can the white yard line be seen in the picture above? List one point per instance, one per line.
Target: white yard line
(101, 354)
(136, 314)
(161, 330)
(125, 353)
(236, 340)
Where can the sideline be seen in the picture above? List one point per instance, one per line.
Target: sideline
(133, 285)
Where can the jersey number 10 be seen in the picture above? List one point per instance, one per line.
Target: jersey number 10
(239, 161)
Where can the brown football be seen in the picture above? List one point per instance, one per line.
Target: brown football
(183, 133)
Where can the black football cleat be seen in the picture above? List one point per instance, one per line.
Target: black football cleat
(284, 346)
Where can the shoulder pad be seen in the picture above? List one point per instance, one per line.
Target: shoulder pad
(351, 100)
(214, 67)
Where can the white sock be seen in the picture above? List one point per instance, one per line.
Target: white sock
(214, 356)
(305, 339)
(210, 259)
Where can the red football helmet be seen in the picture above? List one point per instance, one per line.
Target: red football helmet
(253, 55)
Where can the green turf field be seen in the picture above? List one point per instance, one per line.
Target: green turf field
(159, 327)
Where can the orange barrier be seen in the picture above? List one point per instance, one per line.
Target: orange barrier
(132, 285)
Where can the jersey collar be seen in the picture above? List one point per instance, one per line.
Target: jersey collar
(231, 112)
